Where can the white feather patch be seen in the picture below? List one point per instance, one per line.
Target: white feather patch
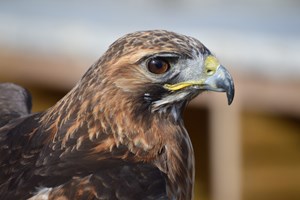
(176, 97)
(42, 194)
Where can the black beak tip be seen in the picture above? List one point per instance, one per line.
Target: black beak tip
(230, 93)
(230, 97)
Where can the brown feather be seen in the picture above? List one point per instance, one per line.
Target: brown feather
(103, 132)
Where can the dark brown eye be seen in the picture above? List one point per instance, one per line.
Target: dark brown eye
(158, 66)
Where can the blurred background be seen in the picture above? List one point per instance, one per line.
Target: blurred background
(247, 151)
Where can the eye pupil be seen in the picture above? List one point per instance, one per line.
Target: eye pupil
(158, 66)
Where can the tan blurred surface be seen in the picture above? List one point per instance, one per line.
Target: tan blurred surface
(271, 161)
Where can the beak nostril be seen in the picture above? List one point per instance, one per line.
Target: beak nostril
(210, 72)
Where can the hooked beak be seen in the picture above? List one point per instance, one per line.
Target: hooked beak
(215, 78)
(221, 81)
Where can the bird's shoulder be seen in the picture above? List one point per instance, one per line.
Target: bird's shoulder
(15, 102)
(55, 169)
(121, 181)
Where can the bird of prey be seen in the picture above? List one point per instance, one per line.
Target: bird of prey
(119, 133)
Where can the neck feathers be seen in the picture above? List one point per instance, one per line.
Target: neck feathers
(112, 119)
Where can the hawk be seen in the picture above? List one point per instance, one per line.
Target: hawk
(119, 133)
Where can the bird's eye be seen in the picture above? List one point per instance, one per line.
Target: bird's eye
(158, 66)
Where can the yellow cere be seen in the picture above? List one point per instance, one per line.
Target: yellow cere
(211, 63)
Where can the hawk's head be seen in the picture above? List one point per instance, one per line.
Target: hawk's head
(160, 70)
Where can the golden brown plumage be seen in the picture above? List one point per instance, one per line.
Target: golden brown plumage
(118, 134)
